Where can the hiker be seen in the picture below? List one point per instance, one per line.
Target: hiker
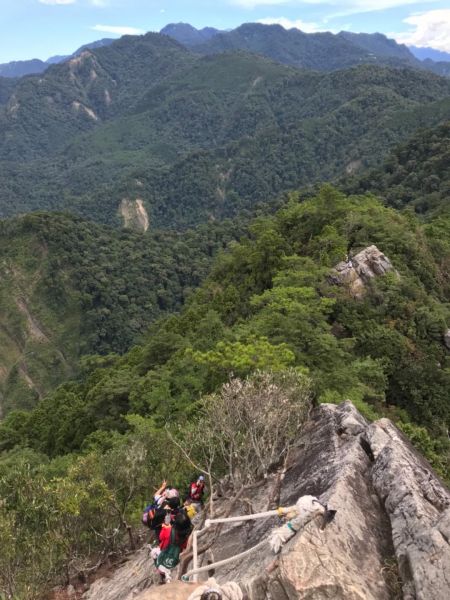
(195, 492)
(173, 540)
(190, 508)
(150, 510)
(166, 500)
(161, 493)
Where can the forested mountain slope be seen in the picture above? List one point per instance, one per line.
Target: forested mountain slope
(6, 87)
(105, 346)
(319, 51)
(379, 45)
(45, 110)
(318, 127)
(270, 303)
(416, 173)
(70, 288)
(272, 310)
(208, 136)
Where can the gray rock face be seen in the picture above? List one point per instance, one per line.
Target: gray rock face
(389, 540)
(447, 338)
(419, 510)
(357, 271)
(126, 583)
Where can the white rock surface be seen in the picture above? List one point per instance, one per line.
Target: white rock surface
(447, 338)
(389, 540)
(357, 271)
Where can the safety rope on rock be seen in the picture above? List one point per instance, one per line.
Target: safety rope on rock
(306, 508)
(212, 591)
(225, 561)
(262, 515)
(281, 511)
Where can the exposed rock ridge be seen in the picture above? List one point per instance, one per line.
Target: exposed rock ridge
(390, 538)
(447, 339)
(357, 271)
(134, 214)
(419, 510)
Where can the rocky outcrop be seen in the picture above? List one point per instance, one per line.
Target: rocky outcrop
(134, 215)
(419, 510)
(447, 339)
(389, 540)
(358, 270)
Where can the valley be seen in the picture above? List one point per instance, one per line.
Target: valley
(215, 245)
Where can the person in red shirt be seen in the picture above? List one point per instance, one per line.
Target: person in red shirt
(173, 539)
(196, 491)
(183, 527)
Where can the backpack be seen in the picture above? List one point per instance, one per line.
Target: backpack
(169, 557)
(191, 511)
(148, 514)
(156, 518)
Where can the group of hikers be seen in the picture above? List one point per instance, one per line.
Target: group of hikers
(171, 521)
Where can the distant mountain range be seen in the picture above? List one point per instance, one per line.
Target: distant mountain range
(188, 35)
(430, 53)
(319, 51)
(19, 68)
(185, 136)
(195, 137)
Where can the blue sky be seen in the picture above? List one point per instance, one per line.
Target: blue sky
(42, 28)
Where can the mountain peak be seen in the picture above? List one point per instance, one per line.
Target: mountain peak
(188, 35)
(430, 53)
(380, 45)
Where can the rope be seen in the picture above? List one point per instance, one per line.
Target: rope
(212, 591)
(224, 562)
(262, 515)
(302, 512)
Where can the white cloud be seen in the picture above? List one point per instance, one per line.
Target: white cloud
(430, 29)
(118, 30)
(305, 26)
(57, 1)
